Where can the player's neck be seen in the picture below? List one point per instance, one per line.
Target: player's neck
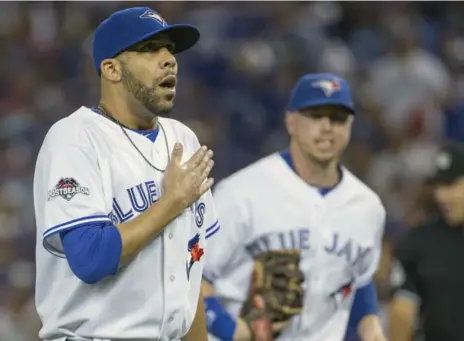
(131, 116)
(313, 172)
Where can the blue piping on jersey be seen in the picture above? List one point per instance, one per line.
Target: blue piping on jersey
(285, 154)
(149, 134)
(210, 231)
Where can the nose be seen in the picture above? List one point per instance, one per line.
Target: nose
(168, 61)
(326, 123)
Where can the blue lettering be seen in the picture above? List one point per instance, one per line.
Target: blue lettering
(152, 192)
(303, 239)
(362, 254)
(113, 218)
(136, 205)
(283, 244)
(122, 217)
(265, 242)
(346, 251)
(200, 214)
(334, 245)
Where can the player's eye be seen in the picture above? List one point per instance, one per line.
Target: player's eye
(335, 116)
(339, 116)
(153, 46)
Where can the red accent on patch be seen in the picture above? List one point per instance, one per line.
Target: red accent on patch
(196, 253)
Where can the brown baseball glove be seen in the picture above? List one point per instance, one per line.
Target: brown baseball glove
(275, 293)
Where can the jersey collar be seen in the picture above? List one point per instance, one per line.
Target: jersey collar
(285, 154)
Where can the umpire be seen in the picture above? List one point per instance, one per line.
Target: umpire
(429, 297)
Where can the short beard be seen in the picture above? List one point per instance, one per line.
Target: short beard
(147, 96)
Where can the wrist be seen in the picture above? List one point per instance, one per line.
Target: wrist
(174, 202)
(242, 331)
(369, 327)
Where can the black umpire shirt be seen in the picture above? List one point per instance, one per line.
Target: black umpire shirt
(432, 259)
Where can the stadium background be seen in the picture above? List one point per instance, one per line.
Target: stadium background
(405, 62)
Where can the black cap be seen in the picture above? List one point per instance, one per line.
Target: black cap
(449, 163)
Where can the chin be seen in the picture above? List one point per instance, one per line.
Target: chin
(324, 158)
(163, 108)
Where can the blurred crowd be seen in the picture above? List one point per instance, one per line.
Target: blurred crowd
(405, 63)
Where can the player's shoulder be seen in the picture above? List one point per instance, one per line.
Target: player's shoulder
(179, 128)
(250, 178)
(362, 191)
(72, 129)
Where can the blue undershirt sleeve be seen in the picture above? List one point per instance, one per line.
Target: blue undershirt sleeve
(93, 251)
(218, 321)
(365, 303)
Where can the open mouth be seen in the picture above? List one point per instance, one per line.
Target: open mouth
(169, 82)
(323, 143)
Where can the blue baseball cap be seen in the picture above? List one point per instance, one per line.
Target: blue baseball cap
(131, 26)
(319, 89)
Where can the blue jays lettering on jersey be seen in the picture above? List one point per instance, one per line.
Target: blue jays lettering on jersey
(198, 210)
(346, 248)
(141, 197)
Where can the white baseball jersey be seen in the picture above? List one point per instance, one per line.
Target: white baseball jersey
(88, 172)
(266, 206)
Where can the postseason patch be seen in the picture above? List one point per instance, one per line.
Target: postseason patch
(67, 188)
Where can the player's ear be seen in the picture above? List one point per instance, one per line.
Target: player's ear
(350, 121)
(290, 122)
(111, 69)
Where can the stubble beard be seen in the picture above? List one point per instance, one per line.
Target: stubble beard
(146, 95)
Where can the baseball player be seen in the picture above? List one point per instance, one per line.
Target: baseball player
(122, 198)
(299, 199)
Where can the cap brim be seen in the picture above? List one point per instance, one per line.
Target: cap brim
(182, 35)
(323, 102)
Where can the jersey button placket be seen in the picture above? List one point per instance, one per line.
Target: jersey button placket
(173, 283)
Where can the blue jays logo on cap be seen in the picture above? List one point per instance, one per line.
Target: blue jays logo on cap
(329, 87)
(149, 14)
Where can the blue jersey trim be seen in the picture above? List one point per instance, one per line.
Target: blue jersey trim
(285, 154)
(68, 226)
(210, 231)
(100, 218)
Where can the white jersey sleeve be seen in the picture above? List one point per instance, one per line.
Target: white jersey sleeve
(374, 259)
(229, 247)
(68, 191)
